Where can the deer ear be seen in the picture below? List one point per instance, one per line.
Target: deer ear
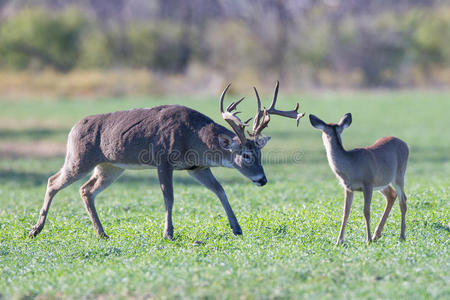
(345, 121)
(316, 122)
(261, 141)
(226, 142)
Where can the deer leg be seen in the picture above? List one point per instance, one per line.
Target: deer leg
(390, 196)
(57, 182)
(207, 179)
(166, 183)
(347, 206)
(104, 175)
(402, 201)
(367, 201)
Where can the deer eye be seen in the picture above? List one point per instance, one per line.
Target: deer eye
(246, 156)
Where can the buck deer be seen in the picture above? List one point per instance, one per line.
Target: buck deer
(168, 138)
(366, 169)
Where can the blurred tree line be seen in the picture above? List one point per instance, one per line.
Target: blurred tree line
(319, 43)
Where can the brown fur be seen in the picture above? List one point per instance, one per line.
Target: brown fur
(161, 137)
(122, 136)
(366, 169)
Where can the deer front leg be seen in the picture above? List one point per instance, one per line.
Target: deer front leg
(367, 200)
(207, 179)
(346, 213)
(165, 180)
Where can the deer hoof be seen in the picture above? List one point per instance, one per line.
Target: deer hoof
(237, 231)
(376, 237)
(168, 235)
(103, 236)
(34, 232)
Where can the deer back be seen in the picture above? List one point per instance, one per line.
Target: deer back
(145, 136)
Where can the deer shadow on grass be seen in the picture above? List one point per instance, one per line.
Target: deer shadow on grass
(439, 226)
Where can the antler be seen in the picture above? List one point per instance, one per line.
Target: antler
(231, 118)
(259, 124)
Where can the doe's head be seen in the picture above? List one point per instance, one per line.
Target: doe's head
(331, 129)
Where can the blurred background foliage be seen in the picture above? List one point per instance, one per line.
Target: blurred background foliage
(169, 45)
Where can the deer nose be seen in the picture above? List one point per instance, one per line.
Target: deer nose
(262, 181)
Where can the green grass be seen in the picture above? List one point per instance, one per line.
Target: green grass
(290, 225)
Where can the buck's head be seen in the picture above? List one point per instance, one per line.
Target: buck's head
(331, 131)
(246, 158)
(246, 150)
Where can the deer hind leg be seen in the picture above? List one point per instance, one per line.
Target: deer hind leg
(165, 175)
(104, 175)
(399, 186)
(345, 214)
(66, 176)
(207, 179)
(368, 190)
(390, 195)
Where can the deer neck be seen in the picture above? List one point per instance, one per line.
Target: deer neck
(225, 159)
(337, 156)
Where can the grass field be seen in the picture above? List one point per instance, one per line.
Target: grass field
(289, 226)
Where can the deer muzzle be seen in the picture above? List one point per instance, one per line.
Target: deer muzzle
(260, 182)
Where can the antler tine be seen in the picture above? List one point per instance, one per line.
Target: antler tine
(233, 105)
(223, 96)
(257, 99)
(299, 117)
(246, 122)
(258, 111)
(264, 122)
(231, 118)
(288, 113)
(275, 96)
(259, 124)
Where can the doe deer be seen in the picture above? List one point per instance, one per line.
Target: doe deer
(168, 138)
(366, 169)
